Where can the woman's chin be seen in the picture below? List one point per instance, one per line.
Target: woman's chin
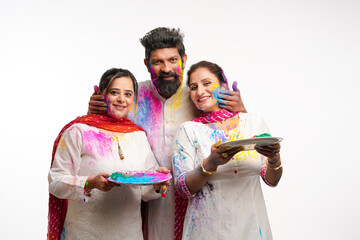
(117, 115)
(209, 108)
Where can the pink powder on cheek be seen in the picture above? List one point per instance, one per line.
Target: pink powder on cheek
(153, 75)
(97, 141)
(178, 70)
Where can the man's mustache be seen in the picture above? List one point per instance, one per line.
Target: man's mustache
(167, 75)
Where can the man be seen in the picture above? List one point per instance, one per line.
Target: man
(163, 104)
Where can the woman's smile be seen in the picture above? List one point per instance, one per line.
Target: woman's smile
(203, 99)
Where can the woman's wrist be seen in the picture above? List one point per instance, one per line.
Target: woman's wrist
(274, 165)
(89, 184)
(208, 165)
(273, 161)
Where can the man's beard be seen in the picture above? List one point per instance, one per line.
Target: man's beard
(167, 87)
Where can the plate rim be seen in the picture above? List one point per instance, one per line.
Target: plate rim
(279, 139)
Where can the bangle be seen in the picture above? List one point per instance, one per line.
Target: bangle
(275, 168)
(273, 162)
(203, 169)
(88, 192)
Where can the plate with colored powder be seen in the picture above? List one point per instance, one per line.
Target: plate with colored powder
(139, 177)
(249, 144)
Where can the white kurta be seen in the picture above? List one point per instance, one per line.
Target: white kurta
(231, 204)
(161, 118)
(85, 151)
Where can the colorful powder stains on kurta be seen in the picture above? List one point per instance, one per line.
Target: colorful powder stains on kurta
(61, 145)
(149, 110)
(97, 141)
(232, 135)
(71, 183)
(178, 96)
(243, 155)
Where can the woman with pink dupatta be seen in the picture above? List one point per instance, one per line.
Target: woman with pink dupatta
(222, 185)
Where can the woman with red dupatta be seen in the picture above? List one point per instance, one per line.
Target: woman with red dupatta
(222, 185)
(83, 203)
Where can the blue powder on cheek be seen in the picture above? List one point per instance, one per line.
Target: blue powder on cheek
(216, 94)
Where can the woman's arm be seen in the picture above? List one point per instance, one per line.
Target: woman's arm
(190, 178)
(274, 166)
(64, 182)
(198, 177)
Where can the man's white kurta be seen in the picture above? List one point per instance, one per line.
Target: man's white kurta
(161, 118)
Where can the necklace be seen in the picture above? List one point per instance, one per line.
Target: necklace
(119, 149)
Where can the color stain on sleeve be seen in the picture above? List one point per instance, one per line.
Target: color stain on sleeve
(62, 145)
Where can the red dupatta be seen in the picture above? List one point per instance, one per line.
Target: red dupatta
(57, 206)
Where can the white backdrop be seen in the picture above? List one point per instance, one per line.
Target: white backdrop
(296, 62)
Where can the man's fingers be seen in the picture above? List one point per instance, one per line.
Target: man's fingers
(234, 86)
(92, 111)
(96, 90)
(99, 98)
(228, 98)
(226, 103)
(225, 93)
(96, 104)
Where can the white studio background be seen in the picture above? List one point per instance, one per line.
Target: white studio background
(297, 64)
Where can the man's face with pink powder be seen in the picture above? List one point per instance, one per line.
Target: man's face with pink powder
(166, 68)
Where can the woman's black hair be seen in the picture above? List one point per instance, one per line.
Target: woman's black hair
(163, 37)
(212, 67)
